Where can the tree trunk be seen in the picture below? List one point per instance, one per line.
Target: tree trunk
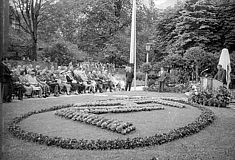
(34, 50)
(197, 77)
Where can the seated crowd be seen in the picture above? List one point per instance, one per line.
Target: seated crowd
(32, 81)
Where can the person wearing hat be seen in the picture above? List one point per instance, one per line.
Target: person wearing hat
(221, 74)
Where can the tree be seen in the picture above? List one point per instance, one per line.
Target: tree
(226, 29)
(164, 32)
(28, 16)
(103, 20)
(63, 53)
(201, 60)
(173, 61)
(197, 26)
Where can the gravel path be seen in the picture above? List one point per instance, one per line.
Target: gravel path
(215, 142)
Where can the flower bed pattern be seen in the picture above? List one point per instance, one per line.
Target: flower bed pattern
(163, 102)
(99, 121)
(88, 116)
(206, 118)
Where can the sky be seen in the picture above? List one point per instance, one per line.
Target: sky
(162, 3)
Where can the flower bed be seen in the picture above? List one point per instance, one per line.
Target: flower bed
(93, 119)
(162, 102)
(124, 109)
(88, 116)
(219, 98)
(206, 118)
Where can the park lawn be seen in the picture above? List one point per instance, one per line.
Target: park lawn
(214, 142)
(147, 124)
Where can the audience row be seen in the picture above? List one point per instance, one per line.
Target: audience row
(30, 81)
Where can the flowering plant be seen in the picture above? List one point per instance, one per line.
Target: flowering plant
(93, 119)
(218, 98)
(206, 118)
(89, 116)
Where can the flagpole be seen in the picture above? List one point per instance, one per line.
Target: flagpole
(133, 41)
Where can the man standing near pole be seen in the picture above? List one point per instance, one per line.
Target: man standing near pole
(129, 78)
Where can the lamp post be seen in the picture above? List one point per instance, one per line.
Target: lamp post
(148, 47)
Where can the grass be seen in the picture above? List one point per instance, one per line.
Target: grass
(147, 124)
(214, 142)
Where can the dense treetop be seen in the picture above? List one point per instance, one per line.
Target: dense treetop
(101, 28)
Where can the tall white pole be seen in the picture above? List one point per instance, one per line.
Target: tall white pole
(133, 41)
(146, 75)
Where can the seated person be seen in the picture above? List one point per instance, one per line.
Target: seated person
(114, 81)
(72, 81)
(18, 87)
(77, 76)
(91, 82)
(107, 83)
(42, 79)
(24, 81)
(99, 81)
(62, 81)
(85, 80)
(54, 85)
(122, 83)
(32, 80)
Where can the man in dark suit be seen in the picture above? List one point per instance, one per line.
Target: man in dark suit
(6, 83)
(162, 79)
(221, 74)
(129, 78)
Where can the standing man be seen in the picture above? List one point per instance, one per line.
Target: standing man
(162, 79)
(221, 74)
(6, 83)
(129, 78)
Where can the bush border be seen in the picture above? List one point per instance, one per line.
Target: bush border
(206, 118)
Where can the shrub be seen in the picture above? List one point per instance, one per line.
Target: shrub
(140, 76)
(151, 82)
(146, 67)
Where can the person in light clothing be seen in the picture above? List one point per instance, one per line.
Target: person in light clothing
(32, 80)
(162, 79)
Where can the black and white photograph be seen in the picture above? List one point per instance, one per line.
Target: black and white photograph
(117, 79)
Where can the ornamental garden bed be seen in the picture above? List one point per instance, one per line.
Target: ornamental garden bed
(56, 138)
(218, 98)
(92, 116)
